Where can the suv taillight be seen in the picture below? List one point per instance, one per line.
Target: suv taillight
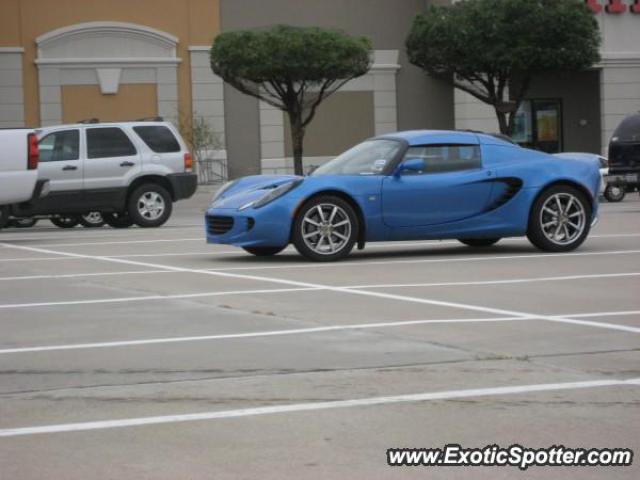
(34, 152)
(188, 162)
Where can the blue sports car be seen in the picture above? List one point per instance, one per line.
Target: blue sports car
(415, 185)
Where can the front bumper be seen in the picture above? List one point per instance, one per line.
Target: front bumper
(267, 227)
(184, 185)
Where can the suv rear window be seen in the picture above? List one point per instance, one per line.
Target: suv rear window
(158, 138)
(108, 142)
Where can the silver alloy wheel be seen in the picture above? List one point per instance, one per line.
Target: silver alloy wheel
(151, 205)
(563, 218)
(326, 229)
(94, 218)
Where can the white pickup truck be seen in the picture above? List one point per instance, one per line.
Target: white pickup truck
(19, 181)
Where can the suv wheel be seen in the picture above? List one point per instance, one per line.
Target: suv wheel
(117, 220)
(65, 221)
(614, 193)
(26, 222)
(150, 205)
(560, 219)
(325, 229)
(92, 220)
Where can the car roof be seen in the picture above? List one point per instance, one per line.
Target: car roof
(148, 123)
(423, 137)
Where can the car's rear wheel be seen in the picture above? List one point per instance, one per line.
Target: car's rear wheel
(27, 222)
(560, 219)
(150, 205)
(4, 216)
(263, 251)
(92, 220)
(117, 220)
(479, 242)
(326, 229)
(614, 193)
(65, 221)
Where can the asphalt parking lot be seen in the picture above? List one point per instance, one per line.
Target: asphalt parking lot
(149, 354)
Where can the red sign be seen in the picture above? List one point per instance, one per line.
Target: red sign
(613, 6)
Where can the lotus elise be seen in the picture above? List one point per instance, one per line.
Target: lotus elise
(415, 185)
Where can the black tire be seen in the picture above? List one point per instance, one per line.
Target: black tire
(264, 251)
(614, 193)
(479, 242)
(65, 221)
(92, 220)
(4, 216)
(23, 222)
(117, 220)
(350, 234)
(142, 216)
(538, 218)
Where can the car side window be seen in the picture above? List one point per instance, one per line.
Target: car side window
(108, 142)
(60, 146)
(158, 138)
(445, 158)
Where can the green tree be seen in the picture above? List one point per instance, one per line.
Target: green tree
(292, 68)
(492, 49)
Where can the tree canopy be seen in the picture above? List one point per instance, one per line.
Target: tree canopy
(292, 68)
(482, 46)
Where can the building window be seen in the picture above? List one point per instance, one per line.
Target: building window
(538, 125)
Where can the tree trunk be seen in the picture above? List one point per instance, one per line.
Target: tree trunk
(297, 139)
(503, 123)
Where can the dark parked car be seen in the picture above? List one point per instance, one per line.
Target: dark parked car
(624, 155)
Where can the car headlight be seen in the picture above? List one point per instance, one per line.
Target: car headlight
(222, 189)
(274, 194)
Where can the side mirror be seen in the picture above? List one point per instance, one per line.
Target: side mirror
(413, 165)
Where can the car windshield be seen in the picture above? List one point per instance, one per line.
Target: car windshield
(367, 158)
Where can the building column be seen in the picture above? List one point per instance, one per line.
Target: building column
(11, 91)
(619, 96)
(207, 92)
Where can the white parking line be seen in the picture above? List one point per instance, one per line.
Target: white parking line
(447, 259)
(297, 331)
(367, 293)
(241, 292)
(371, 245)
(235, 336)
(148, 298)
(316, 406)
(80, 275)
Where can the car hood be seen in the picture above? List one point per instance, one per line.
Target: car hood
(249, 189)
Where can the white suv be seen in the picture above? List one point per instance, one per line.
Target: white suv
(129, 172)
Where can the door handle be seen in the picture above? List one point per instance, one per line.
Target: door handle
(127, 164)
(67, 168)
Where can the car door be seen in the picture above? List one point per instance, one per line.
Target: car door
(112, 161)
(60, 163)
(452, 186)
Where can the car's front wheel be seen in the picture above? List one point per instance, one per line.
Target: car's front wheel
(65, 221)
(614, 193)
(150, 205)
(560, 219)
(263, 251)
(479, 242)
(325, 229)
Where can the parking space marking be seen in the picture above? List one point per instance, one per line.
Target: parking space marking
(147, 298)
(236, 336)
(202, 239)
(316, 406)
(498, 282)
(81, 275)
(293, 283)
(485, 258)
(296, 331)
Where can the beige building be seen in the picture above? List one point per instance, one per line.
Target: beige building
(66, 60)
